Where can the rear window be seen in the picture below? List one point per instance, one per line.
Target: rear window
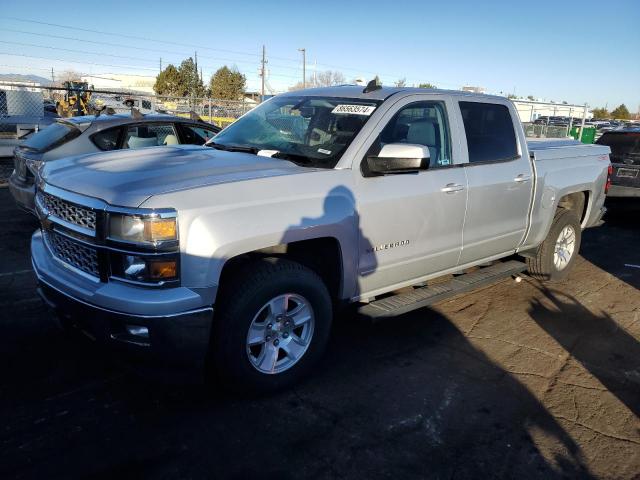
(625, 146)
(52, 136)
(490, 133)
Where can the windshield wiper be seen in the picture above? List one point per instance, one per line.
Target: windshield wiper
(233, 148)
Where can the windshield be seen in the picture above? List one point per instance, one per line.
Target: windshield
(625, 146)
(309, 131)
(52, 136)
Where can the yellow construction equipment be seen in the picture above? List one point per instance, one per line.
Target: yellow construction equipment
(76, 100)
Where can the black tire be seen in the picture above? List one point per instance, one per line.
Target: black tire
(241, 299)
(541, 265)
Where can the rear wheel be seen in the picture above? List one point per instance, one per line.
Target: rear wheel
(556, 255)
(271, 327)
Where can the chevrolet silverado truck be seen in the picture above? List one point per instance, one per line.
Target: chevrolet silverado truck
(232, 260)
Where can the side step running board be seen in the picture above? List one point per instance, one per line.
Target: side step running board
(423, 296)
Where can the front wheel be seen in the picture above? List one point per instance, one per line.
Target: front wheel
(556, 255)
(271, 327)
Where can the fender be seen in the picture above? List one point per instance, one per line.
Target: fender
(237, 220)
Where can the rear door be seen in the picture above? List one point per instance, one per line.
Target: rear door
(499, 177)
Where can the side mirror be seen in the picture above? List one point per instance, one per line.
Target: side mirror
(400, 158)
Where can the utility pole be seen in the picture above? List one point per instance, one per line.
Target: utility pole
(263, 71)
(195, 77)
(160, 64)
(304, 66)
(53, 76)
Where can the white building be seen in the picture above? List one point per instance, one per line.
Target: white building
(118, 82)
(529, 110)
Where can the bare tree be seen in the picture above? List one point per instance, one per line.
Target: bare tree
(329, 78)
(69, 76)
(401, 82)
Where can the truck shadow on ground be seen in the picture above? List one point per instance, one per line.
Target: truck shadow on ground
(615, 248)
(407, 398)
(596, 341)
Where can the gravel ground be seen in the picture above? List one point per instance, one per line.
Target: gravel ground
(518, 380)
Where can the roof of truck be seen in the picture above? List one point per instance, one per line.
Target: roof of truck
(357, 91)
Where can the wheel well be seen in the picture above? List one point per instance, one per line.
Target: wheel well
(322, 255)
(577, 202)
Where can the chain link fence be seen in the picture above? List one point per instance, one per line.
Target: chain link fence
(27, 108)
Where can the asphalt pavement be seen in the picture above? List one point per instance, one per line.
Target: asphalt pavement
(517, 380)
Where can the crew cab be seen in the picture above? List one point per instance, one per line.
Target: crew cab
(231, 260)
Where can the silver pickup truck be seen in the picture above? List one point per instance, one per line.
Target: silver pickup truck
(231, 259)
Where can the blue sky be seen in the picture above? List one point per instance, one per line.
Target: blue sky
(585, 51)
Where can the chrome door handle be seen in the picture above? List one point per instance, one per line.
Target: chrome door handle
(522, 178)
(452, 188)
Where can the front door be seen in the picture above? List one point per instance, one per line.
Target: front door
(411, 224)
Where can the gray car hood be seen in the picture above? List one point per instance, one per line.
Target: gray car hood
(129, 177)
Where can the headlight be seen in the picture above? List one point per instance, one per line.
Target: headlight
(151, 229)
(145, 269)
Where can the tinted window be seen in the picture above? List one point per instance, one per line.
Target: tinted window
(625, 146)
(52, 136)
(107, 139)
(490, 133)
(421, 123)
(196, 135)
(140, 136)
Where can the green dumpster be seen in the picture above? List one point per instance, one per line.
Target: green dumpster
(588, 134)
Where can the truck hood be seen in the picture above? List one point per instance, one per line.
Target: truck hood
(128, 177)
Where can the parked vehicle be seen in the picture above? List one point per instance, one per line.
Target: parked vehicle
(88, 134)
(625, 159)
(235, 257)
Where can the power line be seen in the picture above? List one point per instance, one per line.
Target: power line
(134, 37)
(133, 47)
(235, 52)
(87, 62)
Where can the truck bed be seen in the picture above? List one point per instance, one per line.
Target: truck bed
(554, 148)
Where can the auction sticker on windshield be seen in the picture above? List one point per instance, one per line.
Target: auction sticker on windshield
(354, 109)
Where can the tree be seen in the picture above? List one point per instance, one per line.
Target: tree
(299, 86)
(621, 112)
(227, 84)
(401, 83)
(180, 82)
(530, 97)
(169, 82)
(191, 79)
(427, 85)
(600, 113)
(512, 96)
(564, 102)
(329, 78)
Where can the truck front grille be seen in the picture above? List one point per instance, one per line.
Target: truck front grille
(67, 211)
(74, 253)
